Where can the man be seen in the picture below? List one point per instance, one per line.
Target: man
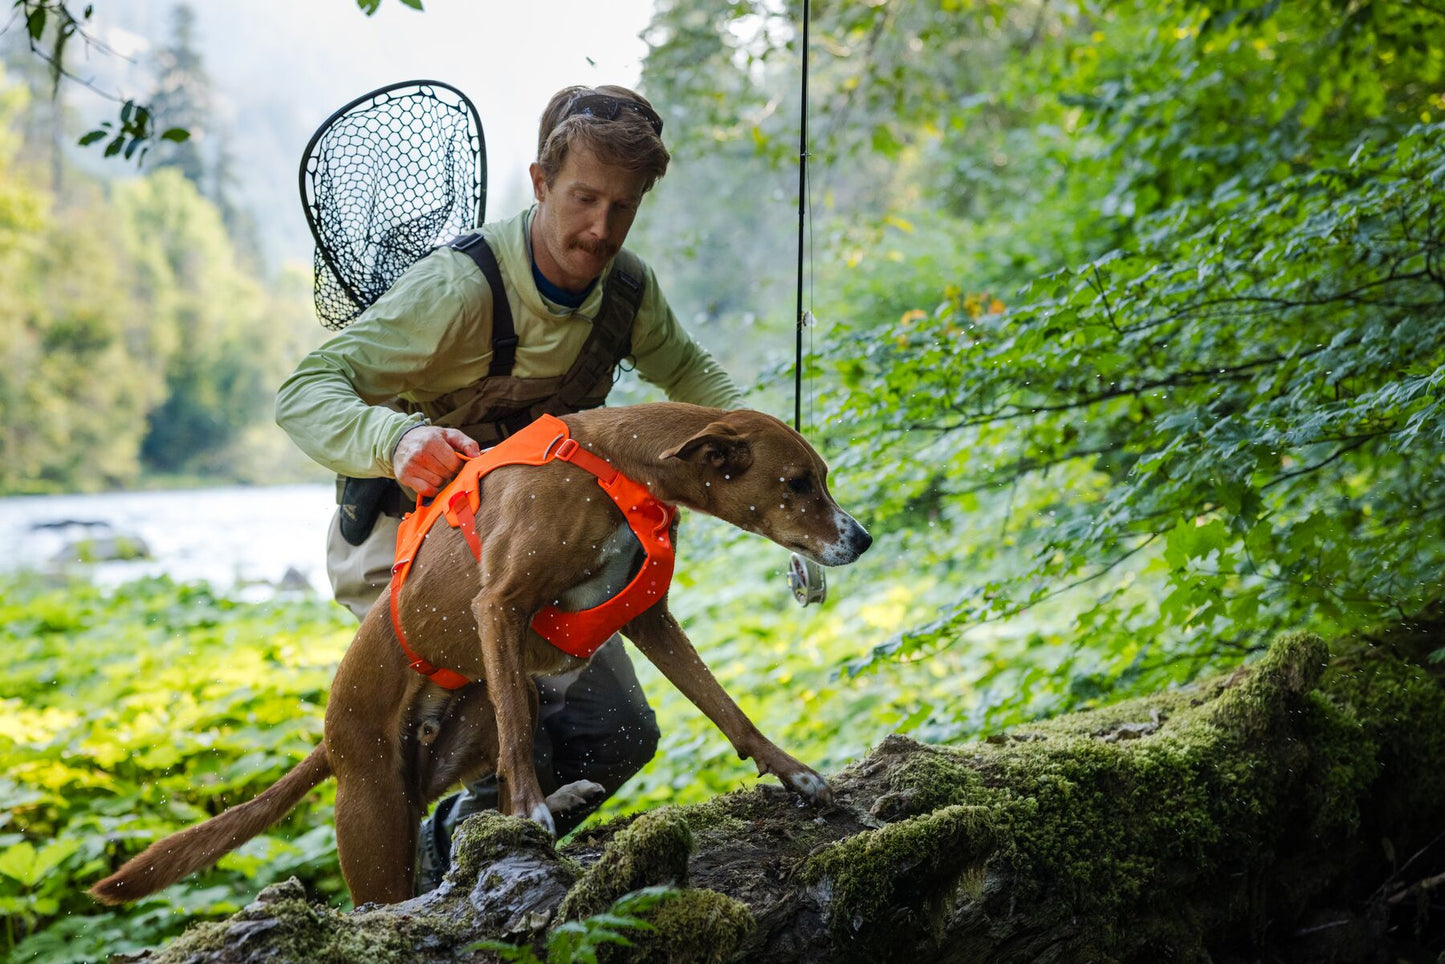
(414, 384)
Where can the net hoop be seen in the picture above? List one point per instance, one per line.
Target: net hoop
(385, 179)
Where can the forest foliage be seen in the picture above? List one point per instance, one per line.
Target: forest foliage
(1138, 302)
(1130, 355)
(140, 337)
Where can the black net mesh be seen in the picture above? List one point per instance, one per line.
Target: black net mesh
(386, 179)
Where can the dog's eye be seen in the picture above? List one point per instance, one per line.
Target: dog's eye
(802, 485)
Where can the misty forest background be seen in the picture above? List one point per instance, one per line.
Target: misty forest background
(1129, 353)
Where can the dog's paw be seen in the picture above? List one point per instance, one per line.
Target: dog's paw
(811, 786)
(542, 815)
(575, 796)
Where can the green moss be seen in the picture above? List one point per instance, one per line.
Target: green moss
(290, 928)
(1291, 666)
(693, 926)
(1399, 708)
(896, 865)
(1094, 813)
(485, 836)
(654, 849)
(1344, 762)
(200, 939)
(727, 815)
(928, 780)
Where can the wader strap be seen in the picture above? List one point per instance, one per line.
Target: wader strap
(504, 331)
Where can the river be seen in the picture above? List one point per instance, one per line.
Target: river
(238, 538)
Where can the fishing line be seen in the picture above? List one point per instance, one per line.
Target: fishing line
(805, 577)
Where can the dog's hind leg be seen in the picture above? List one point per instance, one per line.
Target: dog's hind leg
(376, 816)
(377, 801)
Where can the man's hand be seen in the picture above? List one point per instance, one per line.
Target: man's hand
(426, 457)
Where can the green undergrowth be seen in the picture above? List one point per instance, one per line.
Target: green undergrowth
(134, 712)
(130, 713)
(806, 676)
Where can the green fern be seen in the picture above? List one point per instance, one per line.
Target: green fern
(577, 942)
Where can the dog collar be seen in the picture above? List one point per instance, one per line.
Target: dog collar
(578, 633)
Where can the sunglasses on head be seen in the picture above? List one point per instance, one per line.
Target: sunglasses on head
(607, 107)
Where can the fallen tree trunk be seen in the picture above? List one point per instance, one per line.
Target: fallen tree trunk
(1293, 810)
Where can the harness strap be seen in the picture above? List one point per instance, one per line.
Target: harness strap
(570, 451)
(460, 508)
(447, 679)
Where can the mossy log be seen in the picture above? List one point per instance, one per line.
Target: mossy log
(1291, 811)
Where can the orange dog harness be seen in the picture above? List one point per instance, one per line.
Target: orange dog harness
(580, 633)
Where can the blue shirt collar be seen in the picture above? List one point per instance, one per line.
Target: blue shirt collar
(557, 295)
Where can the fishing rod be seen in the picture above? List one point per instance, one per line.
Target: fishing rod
(802, 227)
(805, 577)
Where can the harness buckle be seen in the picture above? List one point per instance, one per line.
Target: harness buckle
(567, 449)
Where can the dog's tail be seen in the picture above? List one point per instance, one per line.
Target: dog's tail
(167, 861)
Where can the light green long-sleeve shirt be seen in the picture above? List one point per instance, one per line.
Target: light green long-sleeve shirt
(431, 334)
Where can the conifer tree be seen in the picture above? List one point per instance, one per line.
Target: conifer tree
(183, 98)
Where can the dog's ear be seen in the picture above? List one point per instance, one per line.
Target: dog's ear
(719, 446)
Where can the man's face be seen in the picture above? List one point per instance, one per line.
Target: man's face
(582, 217)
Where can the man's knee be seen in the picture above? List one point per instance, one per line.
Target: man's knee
(601, 726)
(637, 738)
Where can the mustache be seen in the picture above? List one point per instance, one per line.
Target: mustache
(598, 249)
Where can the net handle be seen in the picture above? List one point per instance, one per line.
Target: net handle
(308, 202)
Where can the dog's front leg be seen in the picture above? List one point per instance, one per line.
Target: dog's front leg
(663, 642)
(513, 696)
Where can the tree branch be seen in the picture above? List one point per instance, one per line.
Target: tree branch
(1338, 453)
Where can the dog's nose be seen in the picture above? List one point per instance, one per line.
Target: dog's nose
(859, 540)
(853, 540)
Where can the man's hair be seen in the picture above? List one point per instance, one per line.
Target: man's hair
(626, 140)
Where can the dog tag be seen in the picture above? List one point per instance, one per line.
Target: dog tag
(805, 578)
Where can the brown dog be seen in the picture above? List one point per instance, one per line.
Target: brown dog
(396, 741)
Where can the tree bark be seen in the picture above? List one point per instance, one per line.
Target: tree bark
(1293, 810)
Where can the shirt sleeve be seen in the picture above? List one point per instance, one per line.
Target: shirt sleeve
(668, 357)
(332, 404)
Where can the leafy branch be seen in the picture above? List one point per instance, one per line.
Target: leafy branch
(1246, 407)
(133, 130)
(130, 134)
